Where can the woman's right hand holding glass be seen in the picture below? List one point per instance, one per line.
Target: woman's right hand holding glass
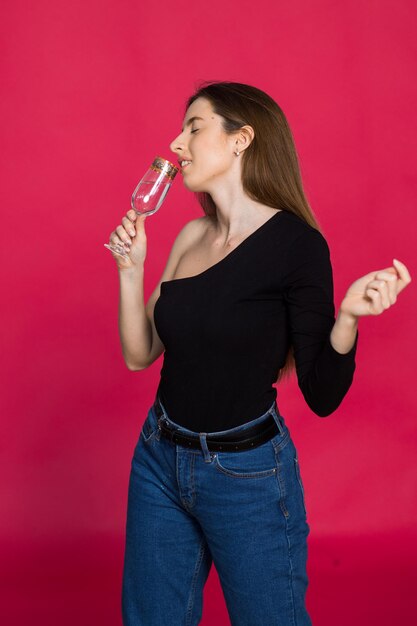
(128, 243)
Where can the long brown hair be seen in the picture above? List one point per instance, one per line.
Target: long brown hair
(270, 167)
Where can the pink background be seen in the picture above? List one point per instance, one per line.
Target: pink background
(91, 92)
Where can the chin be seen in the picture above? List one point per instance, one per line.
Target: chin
(194, 187)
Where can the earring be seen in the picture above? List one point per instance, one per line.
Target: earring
(237, 153)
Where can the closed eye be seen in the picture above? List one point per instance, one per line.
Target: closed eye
(195, 130)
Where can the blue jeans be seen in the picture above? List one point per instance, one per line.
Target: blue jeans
(244, 510)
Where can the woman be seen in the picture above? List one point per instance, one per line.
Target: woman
(246, 296)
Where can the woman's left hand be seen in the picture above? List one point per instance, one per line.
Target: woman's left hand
(375, 292)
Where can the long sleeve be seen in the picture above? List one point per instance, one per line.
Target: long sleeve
(324, 375)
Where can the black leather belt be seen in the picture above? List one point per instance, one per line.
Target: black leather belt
(247, 439)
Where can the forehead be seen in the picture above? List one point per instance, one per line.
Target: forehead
(199, 108)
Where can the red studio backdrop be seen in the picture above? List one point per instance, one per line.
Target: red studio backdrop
(92, 91)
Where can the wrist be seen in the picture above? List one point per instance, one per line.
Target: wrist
(347, 319)
(131, 273)
(344, 333)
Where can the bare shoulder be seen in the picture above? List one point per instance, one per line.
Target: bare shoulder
(192, 232)
(190, 235)
(196, 227)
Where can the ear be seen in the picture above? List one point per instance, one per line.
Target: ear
(243, 138)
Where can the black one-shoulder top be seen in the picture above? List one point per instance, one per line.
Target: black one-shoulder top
(226, 331)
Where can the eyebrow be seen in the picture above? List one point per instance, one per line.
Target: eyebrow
(191, 120)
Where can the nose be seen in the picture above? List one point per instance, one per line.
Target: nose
(177, 145)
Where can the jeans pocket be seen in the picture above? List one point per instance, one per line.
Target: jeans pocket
(150, 427)
(259, 462)
(300, 481)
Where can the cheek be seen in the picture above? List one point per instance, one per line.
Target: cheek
(213, 159)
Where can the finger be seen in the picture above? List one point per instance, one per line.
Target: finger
(375, 306)
(116, 241)
(140, 223)
(123, 235)
(391, 282)
(128, 226)
(391, 271)
(117, 247)
(386, 275)
(382, 288)
(403, 272)
(116, 251)
(132, 215)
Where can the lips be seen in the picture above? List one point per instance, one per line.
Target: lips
(183, 167)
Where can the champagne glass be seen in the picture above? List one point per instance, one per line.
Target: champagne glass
(150, 193)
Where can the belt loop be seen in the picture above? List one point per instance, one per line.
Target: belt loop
(277, 420)
(203, 442)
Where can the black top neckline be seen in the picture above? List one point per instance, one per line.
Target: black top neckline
(232, 253)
